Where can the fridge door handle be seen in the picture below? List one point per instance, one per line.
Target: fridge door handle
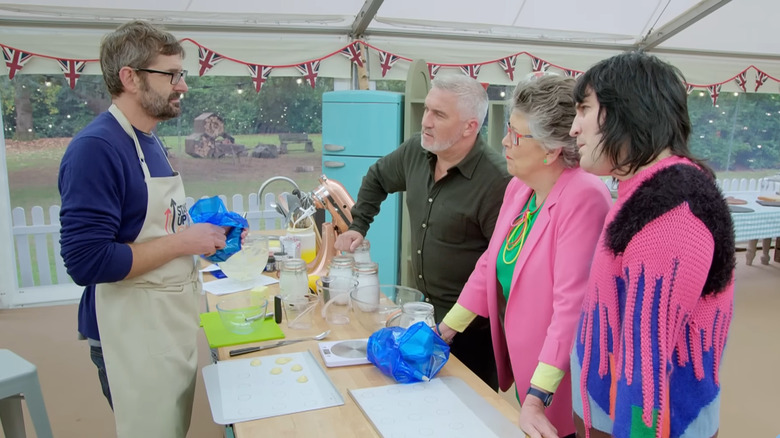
(333, 164)
(333, 147)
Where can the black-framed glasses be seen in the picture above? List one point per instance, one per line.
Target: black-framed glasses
(176, 76)
(515, 136)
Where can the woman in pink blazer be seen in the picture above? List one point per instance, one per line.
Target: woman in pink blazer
(531, 280)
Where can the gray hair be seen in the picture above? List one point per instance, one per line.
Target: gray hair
(134, 44)
(548, 104)
(471, 95)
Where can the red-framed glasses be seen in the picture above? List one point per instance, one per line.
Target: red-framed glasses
(515, 136)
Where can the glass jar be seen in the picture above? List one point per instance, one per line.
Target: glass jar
(340, 270)
(293, 280)
(367, 276)
(362, 253)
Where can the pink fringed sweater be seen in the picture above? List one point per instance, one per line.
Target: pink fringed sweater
(654, 322)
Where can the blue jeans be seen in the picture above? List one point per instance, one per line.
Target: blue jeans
(96, 353)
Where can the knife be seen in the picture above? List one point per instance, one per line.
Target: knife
(246, 350)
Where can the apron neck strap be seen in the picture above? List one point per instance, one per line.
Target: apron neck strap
(128, 128)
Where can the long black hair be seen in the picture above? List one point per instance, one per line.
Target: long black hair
(643, 109)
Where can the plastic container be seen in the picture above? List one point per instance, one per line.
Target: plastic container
(308, 241)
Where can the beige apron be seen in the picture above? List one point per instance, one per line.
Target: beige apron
(148, 324)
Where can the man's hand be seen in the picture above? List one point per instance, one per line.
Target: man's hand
(201, 238)
(533, 421)
(348, 241)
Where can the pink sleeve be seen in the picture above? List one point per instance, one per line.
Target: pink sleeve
(579, 226)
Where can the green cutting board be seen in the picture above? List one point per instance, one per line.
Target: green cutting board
(219, 336)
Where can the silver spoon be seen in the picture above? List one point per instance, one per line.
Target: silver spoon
(241, 351)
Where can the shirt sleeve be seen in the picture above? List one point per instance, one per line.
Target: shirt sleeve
(458, 318)
(547, 377)
(91, 184)
(664, 267)
(383, 177)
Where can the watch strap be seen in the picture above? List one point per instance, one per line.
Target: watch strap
(545, 397)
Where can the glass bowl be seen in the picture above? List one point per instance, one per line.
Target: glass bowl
(248, 264)
(242, 313)
(374, 306)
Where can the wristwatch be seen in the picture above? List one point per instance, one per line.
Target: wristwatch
(545, 397)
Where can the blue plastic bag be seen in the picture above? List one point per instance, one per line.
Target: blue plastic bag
(213, 211)
(408, 355)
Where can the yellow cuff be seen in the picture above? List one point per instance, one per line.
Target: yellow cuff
(547, 377)
(458, 318)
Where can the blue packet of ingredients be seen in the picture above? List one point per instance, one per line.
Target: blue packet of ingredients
(408, 355)
(213, 211)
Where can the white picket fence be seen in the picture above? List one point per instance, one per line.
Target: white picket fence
(768, 185)
(43, 236)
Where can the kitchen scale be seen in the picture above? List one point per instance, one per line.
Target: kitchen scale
(344, 353)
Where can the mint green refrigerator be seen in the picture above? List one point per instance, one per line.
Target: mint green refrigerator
(358, 127)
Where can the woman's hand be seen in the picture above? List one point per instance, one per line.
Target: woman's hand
(445, 332)
(533, 421)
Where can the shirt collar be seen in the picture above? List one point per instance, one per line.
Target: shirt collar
(469, 163)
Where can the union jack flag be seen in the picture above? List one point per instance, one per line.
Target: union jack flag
(714, 92)
(741, 80)
(688, 88)
(539, 65)
(15, 60)
(207, 59)
(508, 65)
(259, 74)
(72, 69)
(572, 73)
(352, 52)
(310, 70)
(471, 70)
(760, 79)
(386, 61)
(433, 70)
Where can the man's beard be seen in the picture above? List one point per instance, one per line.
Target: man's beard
(157, 106)
(438, 145)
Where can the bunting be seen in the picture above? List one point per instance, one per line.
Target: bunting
(572, 73)
(471, 70)
(72, 69)
(207, 59)
(714, 92)
(386, 61)
(539, 65)
(741, 80)
(760, 79)
(688, 88)
(259, 74)
(15, 60)
(508, 65)
(433, 70)
(352, 52)
(310, 70)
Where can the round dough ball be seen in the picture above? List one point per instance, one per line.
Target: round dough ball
(255, 362)
(302, 379)
(276, 370)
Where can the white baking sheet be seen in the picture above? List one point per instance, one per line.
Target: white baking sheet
(243, 390)
(443, 407)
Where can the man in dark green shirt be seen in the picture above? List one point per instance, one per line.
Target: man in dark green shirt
(454, 186)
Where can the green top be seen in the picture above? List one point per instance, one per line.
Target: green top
(451, 220)
(505, 265)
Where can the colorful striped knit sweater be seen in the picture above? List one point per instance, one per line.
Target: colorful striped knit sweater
(660, 297)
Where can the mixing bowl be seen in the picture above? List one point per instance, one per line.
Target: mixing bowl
(242, 313)
(373, 311)
(247, 265)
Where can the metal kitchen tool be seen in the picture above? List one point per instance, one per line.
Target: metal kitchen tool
(241, 351)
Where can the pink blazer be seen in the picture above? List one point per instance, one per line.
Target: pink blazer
(548, 286)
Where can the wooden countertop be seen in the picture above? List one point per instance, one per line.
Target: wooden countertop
(346, 420)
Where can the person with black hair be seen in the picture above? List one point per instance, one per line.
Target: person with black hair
(654, 323)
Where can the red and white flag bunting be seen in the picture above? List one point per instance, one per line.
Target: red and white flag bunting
(386, 61)
(433, 70)
(688, 88)
(352, 52)
(539, 65)
(714, 92)
(207, 59)
(72, 69)
(508, 65)
(572, 73)
(310, 70)
(741, 80)
(15, 60)
(760, 79)
(259, 74)
(471, 70)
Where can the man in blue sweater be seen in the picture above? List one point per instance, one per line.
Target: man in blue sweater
(126, 236)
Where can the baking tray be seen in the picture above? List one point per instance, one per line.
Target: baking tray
(261, 387)
(768, 203)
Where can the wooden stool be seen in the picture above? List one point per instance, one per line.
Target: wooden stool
(19, 378)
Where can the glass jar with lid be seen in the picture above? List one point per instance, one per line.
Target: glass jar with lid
(340, 270)
(293, 279)
(362, 253)
(367, 276)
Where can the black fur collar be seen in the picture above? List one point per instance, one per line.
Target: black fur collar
(666, 190)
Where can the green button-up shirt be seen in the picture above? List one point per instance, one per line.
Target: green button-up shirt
(451, 219)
